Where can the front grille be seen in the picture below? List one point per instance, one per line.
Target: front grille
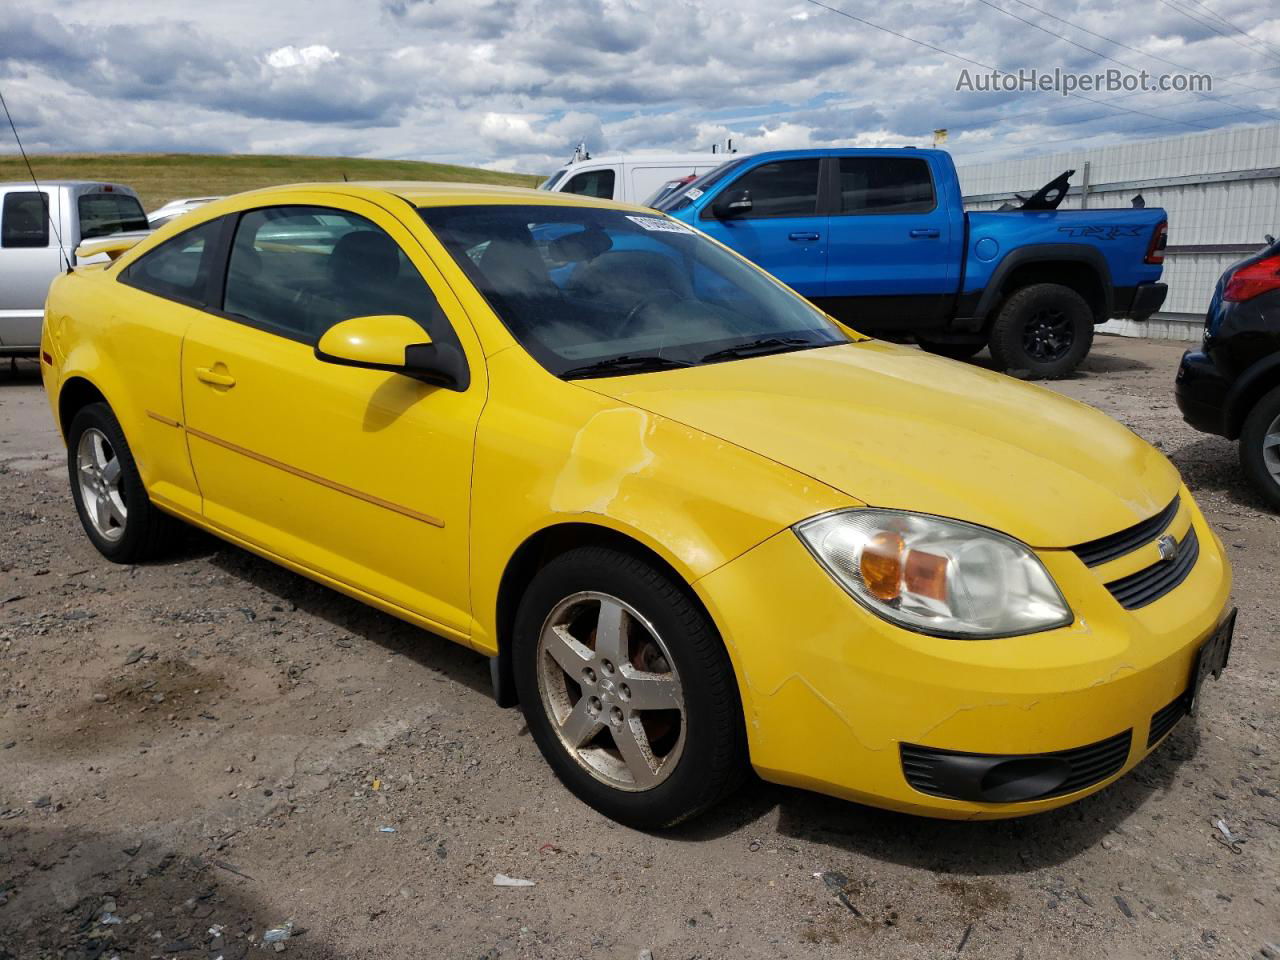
(1150, 584)
(1107, 548)
(924, 766)
(1166, 718)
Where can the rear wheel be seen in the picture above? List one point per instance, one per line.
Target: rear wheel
(953, 351)
(627, 688)
(113, 505)
(1042, 332)
(1260, 447)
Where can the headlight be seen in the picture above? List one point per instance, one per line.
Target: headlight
(942, 577)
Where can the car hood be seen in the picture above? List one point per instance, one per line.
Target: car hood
(895, 427)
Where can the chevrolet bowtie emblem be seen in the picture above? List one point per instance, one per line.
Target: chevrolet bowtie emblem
(1168, 548)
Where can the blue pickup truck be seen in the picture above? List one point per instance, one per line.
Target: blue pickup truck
(879, 239)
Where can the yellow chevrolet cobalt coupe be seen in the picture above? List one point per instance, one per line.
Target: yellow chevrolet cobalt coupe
(698, 526)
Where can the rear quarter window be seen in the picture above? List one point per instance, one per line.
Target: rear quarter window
(885, 185)
(179, 268)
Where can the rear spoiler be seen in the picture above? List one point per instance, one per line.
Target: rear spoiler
(112, 247)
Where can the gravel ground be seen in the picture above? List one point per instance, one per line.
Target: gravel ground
(195, 751)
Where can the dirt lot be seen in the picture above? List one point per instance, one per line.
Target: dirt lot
(211, 746)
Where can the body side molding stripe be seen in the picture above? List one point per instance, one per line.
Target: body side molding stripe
(322, 481)
(167, 421)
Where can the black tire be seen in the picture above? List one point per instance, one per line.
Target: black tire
(713, 759)
(1042, 332)
(952, 351)
(147, 533)
(1263, 420)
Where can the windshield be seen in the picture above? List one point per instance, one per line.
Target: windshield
(681, 197)
(103, 214)
(584, 288)
(666, 190)
(551, 181)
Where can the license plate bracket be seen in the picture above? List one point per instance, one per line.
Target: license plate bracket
(1211, 659)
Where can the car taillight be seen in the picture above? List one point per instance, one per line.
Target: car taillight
(1159, 240)
(1257, 278)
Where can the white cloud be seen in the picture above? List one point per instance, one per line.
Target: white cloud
(290, 57)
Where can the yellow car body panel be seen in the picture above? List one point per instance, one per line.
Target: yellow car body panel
(417, 499)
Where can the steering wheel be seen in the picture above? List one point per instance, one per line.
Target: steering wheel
(647, 301)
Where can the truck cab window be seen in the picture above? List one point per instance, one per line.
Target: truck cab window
(885, 185)
(24, 221)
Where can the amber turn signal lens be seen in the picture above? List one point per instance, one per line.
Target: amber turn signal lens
(881, 565)
(926, 575)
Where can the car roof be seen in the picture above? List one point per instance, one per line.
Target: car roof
(67, 183)
(693, 157)
(423, 194)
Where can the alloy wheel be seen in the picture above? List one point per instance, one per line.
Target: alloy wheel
(1048, 335)
(99, 472)
(610, 689)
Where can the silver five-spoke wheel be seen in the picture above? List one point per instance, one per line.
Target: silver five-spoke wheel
(611, 691)
(99, 473)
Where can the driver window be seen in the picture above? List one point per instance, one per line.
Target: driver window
(296, 271)
(787, 188)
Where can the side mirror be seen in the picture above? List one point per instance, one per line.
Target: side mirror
(395, 344)
(732, 203)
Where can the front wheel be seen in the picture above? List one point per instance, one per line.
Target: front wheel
(113, 505)
(1260, 447)
(627, 688)
(1042, 332)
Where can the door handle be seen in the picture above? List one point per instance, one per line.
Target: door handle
(207, 375)
(802, 235)
(929, 232)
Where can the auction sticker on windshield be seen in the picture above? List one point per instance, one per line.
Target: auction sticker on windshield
(659, 224)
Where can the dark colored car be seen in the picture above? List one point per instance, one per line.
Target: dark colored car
(1231, 385)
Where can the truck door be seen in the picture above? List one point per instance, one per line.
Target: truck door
(29, 260)
(894, 256)
(782, 230)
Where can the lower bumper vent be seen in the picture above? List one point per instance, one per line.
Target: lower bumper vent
(1017, 778)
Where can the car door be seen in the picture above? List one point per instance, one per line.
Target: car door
(157, 297)
(29, 260)
(782, 231)
(362, 476)
(893, 256)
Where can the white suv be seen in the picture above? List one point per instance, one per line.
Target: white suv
(631, 178)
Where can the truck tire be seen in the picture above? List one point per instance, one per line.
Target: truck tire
(1042, 332)
(1260, 447)
(952, 351)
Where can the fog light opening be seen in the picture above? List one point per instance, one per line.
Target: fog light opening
(1024, 778)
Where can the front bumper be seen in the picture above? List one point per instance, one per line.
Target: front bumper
(834, 695)
(1201, 392)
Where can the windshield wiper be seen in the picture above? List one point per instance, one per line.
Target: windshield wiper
(758, 348)
(627, 363)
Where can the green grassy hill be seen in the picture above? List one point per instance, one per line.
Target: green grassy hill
(160, 177)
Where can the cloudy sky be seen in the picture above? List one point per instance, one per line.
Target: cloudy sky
(514, 84)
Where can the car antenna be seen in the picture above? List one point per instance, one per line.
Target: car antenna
(22, 150)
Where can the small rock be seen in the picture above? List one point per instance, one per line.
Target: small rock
(99, 698)
(502, 880)
(1123, 904)
(645, 955)
(42, 801)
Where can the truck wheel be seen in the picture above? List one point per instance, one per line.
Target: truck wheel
(953, 351)
(113, 505)
(1260, 447)
(627, 688)
(1042, 332)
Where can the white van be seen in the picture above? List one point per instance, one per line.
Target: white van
(631, 178)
